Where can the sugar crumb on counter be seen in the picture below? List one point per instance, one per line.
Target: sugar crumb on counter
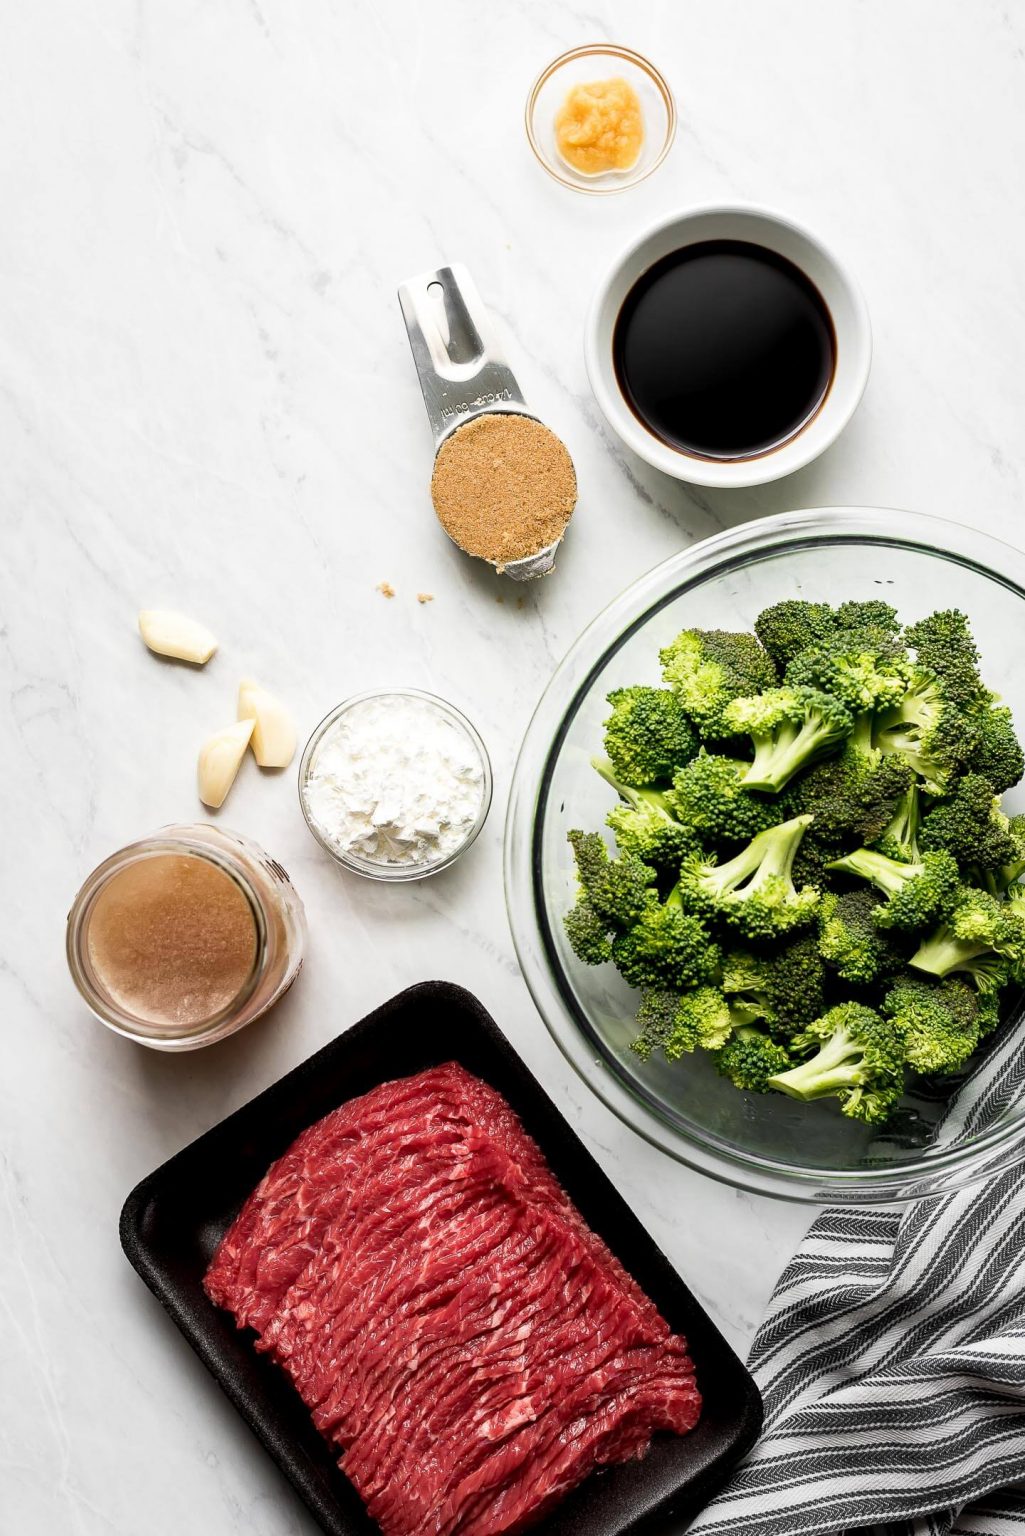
(385, 588)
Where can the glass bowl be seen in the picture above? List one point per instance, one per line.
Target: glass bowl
(381, 869)
(596, 61)
(766, 1143)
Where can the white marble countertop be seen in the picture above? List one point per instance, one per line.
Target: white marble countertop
(207, 401)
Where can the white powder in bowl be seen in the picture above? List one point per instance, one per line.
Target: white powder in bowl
(395, 780)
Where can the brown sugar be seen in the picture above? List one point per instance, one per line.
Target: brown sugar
(172, 939)
(504, 487)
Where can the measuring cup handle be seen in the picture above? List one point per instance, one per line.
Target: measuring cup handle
(458, 359)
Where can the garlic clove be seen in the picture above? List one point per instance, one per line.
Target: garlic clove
(273, 740)
(219, 760)
(175, 634)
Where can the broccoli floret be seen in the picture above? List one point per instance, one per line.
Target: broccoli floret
(750, 1057)
(872, 615)
(859, 1060)
(852, 798)
(782, 990)
(938, 1021)
(988, 1004)
(1009, 873)
(788, 628)
(644, 825)
(982, 937)
(916, 894)
(706, 668)
(753, 891)
(617, 889)
(998, 754)
(850, 940)
(863, 666)
(707, 796)
(944, 646)
(648, 735)
(676, 1023)
(790, 728)
(612, 894)
(931, 729)
(971, 826)
(589, 935)
(666, 947)
(899, 838)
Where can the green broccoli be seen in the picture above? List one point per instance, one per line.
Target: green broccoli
(850, 940)
(899, 838)
(853, 797)
(872, 615)
(676, 1023)
(788, 628)
(944, 647)
(863, 736)
(750, 1057)
(648, 735)
(862, 666)
(782, 990)
(916, 894)
(666, 947)
(982, 937)
(859, 1060)
(938, 1021)
(790, 728)
(611, 895)
(1011, 872)
(708, 797)
(706, 668)
(971, 826)
(931, 729)
(753, 891)
(589, 935)
(998, 754)
(644, 824)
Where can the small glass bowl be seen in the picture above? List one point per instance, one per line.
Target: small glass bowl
(596, 61)
(380, 869)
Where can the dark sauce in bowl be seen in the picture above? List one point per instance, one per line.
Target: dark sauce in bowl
(724, 349)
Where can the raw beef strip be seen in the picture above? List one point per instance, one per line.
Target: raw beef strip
(453, 1324)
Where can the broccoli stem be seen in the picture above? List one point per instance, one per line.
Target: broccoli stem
(766, 857)
(789, 749)
(836, 1065)
(944, 952)
(861, 736)
(887, 874)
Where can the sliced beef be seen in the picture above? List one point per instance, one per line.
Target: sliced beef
(470, 1345)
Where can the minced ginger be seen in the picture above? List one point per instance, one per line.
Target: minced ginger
(600, 127)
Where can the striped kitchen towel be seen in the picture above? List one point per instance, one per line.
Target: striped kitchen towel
(892, 1363)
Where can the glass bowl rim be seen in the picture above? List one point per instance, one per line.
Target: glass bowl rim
(369, 868)
(940, 1171)
(585, 51)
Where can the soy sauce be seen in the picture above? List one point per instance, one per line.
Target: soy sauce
(724, 349)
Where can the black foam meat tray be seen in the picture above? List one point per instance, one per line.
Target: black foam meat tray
(173, 1220)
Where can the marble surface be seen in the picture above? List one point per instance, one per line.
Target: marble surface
(207, 401)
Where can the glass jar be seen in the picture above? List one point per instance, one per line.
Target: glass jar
(185, 936)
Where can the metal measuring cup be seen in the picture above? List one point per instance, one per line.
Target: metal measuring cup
(461, 369)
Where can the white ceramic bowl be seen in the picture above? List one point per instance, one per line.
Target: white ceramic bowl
(842, 297)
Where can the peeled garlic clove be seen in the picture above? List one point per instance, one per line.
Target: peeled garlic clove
(273, 732)
(219, 759)
(175, 634)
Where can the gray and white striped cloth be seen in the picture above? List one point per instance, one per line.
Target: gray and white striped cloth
(892, 1363)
